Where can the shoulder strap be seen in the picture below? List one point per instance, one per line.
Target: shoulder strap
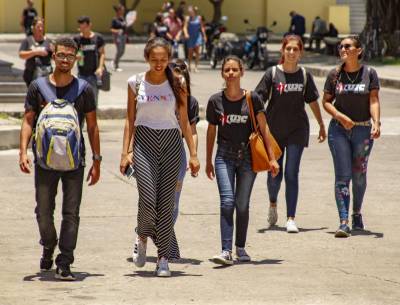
(304, 79)
(46, 89)
(272, 82)
(251, 110)
(76, 89)
(139, 79)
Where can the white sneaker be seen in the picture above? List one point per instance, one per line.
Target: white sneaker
(139, 252)
(241, 255)
(162, 268)
(291, 226)
(272, 216)
(225, 258)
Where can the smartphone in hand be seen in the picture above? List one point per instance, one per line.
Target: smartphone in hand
(130, 171)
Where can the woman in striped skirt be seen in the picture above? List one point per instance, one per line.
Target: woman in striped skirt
(155, 98)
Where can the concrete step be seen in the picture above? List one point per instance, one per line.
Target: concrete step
(12, 87)
(12, 98)
(10, 77)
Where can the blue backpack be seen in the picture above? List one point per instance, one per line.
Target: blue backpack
(58, 137)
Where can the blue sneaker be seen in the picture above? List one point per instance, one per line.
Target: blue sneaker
(357, 223)
(343, 231)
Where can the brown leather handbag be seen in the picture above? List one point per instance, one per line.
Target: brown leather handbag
(259, 155)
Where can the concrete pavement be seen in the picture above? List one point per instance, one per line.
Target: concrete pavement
(311, 267)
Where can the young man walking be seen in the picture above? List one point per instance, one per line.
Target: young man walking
(59, 152)
(28, 14)
(91, 54)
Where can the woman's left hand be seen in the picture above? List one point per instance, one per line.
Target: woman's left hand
(322, 133)
(194, 166)
(375, 130)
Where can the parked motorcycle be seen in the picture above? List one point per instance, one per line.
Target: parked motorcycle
(213, 31)
(255, 48)
(227, 44)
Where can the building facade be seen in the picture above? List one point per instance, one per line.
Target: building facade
(61, 15)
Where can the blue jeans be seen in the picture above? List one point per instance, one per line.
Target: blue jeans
(350, 151)
(92, 80)
(235, 180)
(292, 166)
(179, 184)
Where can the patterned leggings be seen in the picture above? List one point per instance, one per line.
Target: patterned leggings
(157, 156)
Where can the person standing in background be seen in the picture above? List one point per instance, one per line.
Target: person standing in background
(318, 32)
(36, 50)
(119, 33)
(91, 54)
(28, 14)
(297, 25)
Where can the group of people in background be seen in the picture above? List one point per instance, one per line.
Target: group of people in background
(177, 27)
(161, 113)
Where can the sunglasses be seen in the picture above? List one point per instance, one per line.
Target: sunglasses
(345, 46)
(68, 57)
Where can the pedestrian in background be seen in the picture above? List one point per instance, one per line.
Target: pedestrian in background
(194, 34)
(119, 33)
(160, 29)
(175, 26)
(155, 98)
(228, 111)
(351, 97)
(36, 50)
(297, 24)
(288, 87)
(91, 54)
(318, 32)
(28, 15)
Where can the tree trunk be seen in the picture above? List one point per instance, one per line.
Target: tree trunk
(217, 4)
(384, 14)
(134, 5)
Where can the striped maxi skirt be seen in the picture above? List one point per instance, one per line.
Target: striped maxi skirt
(157, 156)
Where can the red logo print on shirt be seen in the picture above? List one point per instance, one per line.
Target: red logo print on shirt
(282, 87)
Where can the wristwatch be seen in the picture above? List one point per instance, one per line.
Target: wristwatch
(97, 157)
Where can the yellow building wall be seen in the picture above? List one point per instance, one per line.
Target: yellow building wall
(61, 15)
(339, 15)
(10, 14)
(279, 10)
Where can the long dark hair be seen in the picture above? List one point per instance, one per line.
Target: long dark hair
(180, 67)
(357, 43)
(173, 79)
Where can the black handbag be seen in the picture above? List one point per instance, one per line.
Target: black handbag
(105, 80)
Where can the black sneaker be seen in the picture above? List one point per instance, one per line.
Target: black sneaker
(357, 223)
(64, 274)
(343, 231)
(46, 261)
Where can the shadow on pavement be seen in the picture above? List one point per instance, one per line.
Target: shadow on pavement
(152, 274)
(183, 261)
(256, 263)
(283, 229)
(49, 276)
(364, 233)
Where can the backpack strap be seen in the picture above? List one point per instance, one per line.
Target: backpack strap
(76, 89)
(272, 83)
(49, 92)
(304, 79)
(46, 90)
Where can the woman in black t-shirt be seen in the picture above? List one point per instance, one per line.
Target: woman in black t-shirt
(36, 50)
(160, 29)
(288, 88)
(229, 111)
(354, 88)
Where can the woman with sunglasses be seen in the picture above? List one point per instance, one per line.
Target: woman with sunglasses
(288, 87)
(351, 98)
(155, 98)
(229, 111)
(180, 68)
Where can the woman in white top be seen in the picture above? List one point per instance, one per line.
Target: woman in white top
(155, 98)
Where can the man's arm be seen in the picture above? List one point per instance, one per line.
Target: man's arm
(25, 163)
(102, 59)
(94, 139)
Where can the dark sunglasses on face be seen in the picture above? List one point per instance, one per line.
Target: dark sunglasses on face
(345, 46)
(68, 57)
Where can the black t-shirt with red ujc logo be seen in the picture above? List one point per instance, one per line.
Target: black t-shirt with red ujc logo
(232, 117)
(286, 115)
(351, 91)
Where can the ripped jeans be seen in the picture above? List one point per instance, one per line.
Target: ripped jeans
(350, 151)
